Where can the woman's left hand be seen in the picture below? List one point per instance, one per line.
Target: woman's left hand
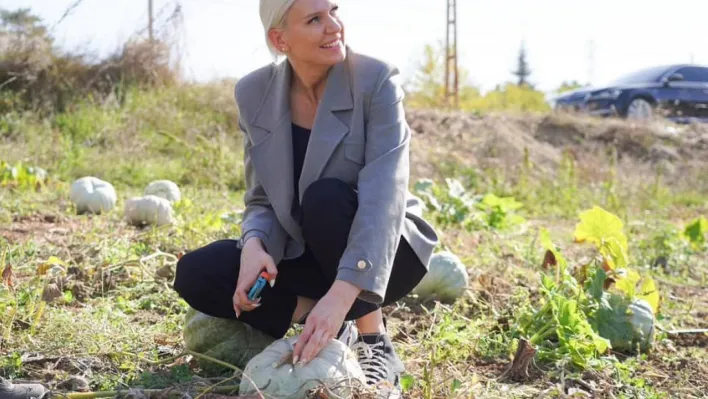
(324, 321)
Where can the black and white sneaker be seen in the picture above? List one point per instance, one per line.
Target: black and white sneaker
(380, 363)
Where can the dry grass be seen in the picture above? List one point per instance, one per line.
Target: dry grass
(501, 141)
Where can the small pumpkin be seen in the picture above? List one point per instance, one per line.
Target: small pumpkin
(446, 280)
(335, 367)
(165, 189)
(92, 195)
(628, 325)
(228, 340)
(149, 210)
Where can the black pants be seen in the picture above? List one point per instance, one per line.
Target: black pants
(206, 278)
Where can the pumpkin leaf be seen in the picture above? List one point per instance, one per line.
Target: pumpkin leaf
(603, 229)
(49, 264)
(455, 187)
(456, 384)
(423, 185)
(626, 281)
(545, 238)
(407, 382)
(650, 293)
(696, 231)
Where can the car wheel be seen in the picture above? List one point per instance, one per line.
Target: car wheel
(640, 109)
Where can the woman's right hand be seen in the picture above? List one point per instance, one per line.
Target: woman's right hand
(254, 259)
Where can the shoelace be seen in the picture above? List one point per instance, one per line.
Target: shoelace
(372, 360)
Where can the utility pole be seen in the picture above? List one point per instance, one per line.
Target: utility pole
(451, 80)
(150, 20)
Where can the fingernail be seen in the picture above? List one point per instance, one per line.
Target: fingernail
(272, 283)
(295, 359)
(257, 305)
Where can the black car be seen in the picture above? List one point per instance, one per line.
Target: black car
(678, 92)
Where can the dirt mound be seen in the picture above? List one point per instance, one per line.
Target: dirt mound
(451, 141)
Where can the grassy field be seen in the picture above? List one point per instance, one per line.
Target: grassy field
(115, 323)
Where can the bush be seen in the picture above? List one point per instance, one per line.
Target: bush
(35, 75)
(509, 97)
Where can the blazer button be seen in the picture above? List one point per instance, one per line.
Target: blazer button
(361, 264)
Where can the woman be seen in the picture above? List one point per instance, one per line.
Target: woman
(328, 214)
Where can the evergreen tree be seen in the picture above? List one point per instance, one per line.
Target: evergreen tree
(522, 71)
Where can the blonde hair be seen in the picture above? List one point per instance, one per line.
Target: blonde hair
(273, 14)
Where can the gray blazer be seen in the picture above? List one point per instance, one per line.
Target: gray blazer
(359, 136)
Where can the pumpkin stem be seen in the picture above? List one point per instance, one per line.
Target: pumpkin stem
(519, 369)
(211, 359)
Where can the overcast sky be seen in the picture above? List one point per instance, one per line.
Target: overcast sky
(565, 39)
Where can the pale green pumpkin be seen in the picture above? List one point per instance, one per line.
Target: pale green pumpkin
(149, 210)
(642, 320)
(446, 280)
(92, 195)
(627, 325)
(335, 368)
(231, 341)
(165, 189)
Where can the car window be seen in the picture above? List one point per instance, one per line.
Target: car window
(642, 76)
(694, 74)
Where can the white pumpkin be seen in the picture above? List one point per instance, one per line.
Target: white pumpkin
(165, 189)
(92, 195)
(149, 210)
(446, 279)
(336, 367)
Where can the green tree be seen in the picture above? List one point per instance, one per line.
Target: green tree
(427, 88)
(568, 86)
(511, 97)
(522, 71)
(21, 22)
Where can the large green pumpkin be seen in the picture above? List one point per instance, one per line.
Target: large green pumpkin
(231, 341)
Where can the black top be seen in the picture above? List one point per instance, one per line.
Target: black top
(301, 138)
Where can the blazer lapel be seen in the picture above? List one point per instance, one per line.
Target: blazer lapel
(330, 126)
(273, 155)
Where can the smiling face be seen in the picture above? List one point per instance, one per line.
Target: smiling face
(312, 33)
